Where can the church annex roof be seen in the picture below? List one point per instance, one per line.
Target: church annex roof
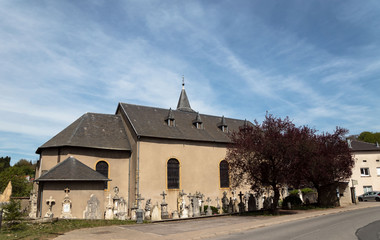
(357, 146)
(71, 169)
(150, 122)
(92, 130)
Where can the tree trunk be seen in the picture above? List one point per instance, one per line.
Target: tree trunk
(275, 200)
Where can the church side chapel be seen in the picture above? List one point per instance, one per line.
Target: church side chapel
(141, 161)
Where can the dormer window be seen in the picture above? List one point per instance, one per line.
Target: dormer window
(198, 122)
(170, 121)
(223, 126)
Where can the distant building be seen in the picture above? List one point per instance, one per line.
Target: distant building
(366, 172)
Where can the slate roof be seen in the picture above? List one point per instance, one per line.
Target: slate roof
(92, 130)
(183, 101)
(150, 122)
(71, 169)
(363, 146)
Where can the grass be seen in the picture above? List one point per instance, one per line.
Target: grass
(31, 231)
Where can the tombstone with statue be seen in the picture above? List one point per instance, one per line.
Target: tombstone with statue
(66, 205)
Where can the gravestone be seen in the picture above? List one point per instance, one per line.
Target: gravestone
(236, 205)
(164, 207)
(122, 210)
(156, 214)
(50, 202)
(133, 213)
(225, 202)
(66, 205)
(92, 209)
(220, 211)
(230, 206)
(184, 212)
(33, 204)
(175, 214)
(116, 200)
(196, 211)
(252, 203)
(246, 198)
(209, 211)
(266, 203)
(109, 208)
(241, 204)
(191, 211)
(147, 209)
(139, 212)
(202, 204)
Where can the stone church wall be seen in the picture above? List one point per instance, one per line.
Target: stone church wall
(80, 193)
(199, 170)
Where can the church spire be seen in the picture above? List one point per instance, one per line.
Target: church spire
(183, 102)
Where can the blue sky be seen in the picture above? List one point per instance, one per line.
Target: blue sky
(317, 62)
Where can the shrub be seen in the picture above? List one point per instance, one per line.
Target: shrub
(307, 190)
(293, 192)
(12, 210)
(294, 200)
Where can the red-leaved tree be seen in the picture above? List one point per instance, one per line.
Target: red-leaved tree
(261, 155)
(276, 153)
(329, 161)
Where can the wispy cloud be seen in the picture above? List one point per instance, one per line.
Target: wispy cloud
(59, 60)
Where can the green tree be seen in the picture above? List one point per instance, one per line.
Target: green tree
(27, 167)
(4, 163)
(21, 187)
(369, 137)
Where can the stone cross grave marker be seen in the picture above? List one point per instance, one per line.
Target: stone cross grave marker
(202, 204)
(163, 194)
(164, 207)
(109, 208)
(66, 205)
(241, 204)
(50, 202)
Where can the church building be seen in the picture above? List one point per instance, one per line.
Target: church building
(139, 151)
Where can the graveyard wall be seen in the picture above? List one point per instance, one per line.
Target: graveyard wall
(80, 193)
(199, 169)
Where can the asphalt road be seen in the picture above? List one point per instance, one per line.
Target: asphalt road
(363, 224)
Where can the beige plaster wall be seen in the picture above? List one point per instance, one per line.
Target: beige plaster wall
(372, 162)
(133, 158)
(80, 193)
(118, 162)
(199, 170)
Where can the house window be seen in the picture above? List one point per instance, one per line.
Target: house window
(378, 171)
(367, 189)
(364, 172)
(173, 173)
(223, 174)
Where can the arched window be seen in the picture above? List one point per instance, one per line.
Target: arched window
(102, 167)
(173, 174)
(223, 174)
